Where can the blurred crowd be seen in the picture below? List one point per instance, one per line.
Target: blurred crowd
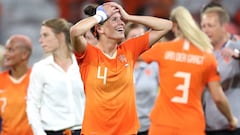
(25, 16)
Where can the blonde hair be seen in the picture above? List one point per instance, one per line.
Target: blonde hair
(189, 29)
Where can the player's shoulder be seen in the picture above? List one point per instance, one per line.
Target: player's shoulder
(172, 42)
(209, 58)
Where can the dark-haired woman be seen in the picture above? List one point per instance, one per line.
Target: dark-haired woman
(56, 100)
(107, 67)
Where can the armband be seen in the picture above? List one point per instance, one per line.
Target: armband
(101, 14)
(98, 18)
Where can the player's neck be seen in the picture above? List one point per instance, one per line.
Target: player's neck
(18, 71)
(108, 49)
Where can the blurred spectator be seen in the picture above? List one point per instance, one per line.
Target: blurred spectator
(213, 21)
(25, 17)
(2, 50)
(145, 81)
(13, 86)
(158, 8)
(237, 20)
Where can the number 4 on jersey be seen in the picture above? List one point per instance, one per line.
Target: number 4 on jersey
(104, 76)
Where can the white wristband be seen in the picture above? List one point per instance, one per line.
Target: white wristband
(101, 12)
(98, 18)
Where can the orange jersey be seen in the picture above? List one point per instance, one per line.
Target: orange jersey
(184, 73)
(109, 88)
(13, 105)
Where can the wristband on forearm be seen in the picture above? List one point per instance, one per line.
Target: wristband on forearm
(101, 14)
(98, 18)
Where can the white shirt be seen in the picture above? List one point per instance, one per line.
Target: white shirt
(55, 98)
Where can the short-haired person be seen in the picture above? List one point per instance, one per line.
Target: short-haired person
(107, 68)
(186, 66)
(56, 100)
(226, 50)
(14, 82)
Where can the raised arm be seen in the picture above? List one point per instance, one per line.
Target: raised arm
(158, 26)
(222, 103)
(78, 30)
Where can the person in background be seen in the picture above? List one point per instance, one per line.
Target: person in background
(226, 50)
(107, 68)
(186, 65)
(2, 50)
(145, 79)
(55, 99)
(90, 38)
(14, 82)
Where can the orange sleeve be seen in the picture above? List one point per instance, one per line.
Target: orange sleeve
(137, 45)
(80, 56)
(153, 53)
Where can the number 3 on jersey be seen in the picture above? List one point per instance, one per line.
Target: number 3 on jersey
(182, 87)
(104, 76)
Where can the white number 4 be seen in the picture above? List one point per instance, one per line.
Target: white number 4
(183, 87)
(104, 76)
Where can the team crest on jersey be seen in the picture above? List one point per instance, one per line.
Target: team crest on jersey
(123, 59)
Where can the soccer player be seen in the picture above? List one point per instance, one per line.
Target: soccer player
(107, 68)
(186, 65)
(13, 87)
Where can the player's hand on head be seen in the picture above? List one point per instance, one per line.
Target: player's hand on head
(109, 9)
(119, 8)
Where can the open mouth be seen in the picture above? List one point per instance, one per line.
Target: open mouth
(120, 29)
